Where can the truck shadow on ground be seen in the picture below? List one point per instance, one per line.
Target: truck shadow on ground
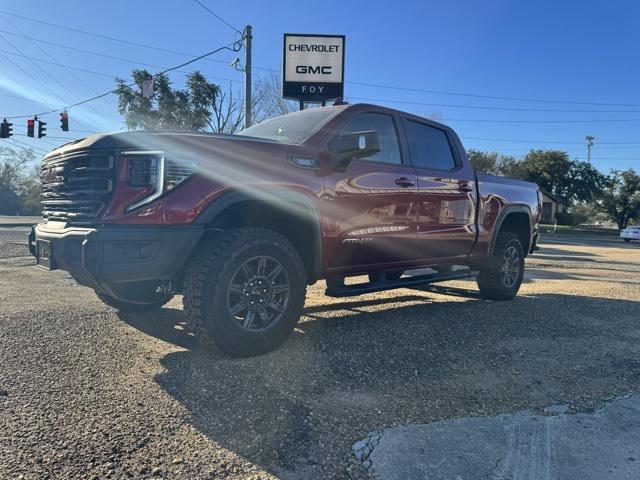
(359, 365)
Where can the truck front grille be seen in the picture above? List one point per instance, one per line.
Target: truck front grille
(76, 187)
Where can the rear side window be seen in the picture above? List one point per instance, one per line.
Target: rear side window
(384, 125)
(429, 147)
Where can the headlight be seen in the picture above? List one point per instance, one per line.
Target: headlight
(155, 174)
(177, 171)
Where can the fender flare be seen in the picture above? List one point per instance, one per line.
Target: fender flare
(501, 218)
(293, 198)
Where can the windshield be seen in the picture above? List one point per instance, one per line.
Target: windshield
(293, 127)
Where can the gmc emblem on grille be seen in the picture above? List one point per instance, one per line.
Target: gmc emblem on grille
(49, 175)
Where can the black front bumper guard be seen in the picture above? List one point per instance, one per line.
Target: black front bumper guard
(131, 264)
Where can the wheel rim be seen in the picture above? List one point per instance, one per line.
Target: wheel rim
(510, 267)
(258, 293)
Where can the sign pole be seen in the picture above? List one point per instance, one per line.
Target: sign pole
(247, 75)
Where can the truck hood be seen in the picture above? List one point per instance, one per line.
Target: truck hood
(163, 140)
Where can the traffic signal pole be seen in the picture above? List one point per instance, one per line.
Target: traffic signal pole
(247, 75)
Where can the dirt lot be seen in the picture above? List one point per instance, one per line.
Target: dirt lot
(85, 393)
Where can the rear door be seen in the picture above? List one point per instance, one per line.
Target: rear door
(446, 192)
(370, 207)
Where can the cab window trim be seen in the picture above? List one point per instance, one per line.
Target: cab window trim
(458, 164)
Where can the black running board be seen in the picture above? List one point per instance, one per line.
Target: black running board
(361, 288)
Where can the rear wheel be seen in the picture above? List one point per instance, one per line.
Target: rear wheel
(501, 275)
(245, 290)
(133, 307)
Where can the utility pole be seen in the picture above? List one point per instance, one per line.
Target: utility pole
(589, 139)
(247, 75)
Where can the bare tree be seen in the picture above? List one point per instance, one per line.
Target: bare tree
(266, 102)
(228, 112)
(273, 100)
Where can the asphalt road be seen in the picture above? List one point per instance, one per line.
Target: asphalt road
(86, 393)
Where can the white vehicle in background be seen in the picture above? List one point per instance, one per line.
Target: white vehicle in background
(630, 233)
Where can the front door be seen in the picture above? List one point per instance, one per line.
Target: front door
(370, 207)
(446, 192)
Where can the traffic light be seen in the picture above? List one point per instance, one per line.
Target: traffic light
(64, 121)
(41, 129)
(5, 129)
(30, 124)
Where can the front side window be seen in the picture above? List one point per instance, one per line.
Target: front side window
(429, 147)
(385, 126)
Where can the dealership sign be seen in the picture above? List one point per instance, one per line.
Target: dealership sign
(313, 67)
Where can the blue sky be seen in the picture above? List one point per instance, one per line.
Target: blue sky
(547, 50)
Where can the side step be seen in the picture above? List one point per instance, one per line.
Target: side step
(361, 288)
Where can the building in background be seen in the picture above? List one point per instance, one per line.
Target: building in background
(551, 206)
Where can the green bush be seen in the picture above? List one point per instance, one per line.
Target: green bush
(564, 218)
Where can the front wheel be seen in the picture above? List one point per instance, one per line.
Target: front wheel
(501, 275)
(245, 290)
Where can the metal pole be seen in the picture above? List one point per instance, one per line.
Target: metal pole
(247, 75)
(589, 139)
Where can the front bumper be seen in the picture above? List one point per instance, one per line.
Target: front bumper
(132, 264)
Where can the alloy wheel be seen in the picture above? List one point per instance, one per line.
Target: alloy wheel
(258, 293)
(510, 266)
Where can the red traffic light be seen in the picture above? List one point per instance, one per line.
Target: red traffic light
(31, 123)
(64, 121)
(30, 127)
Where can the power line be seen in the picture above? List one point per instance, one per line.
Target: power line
(103, 74)
(106, 37)
(36, 93)
(493, 97)
(53, 137)
(365, 84)
(57, 63)
(482, 120)
(217, 16)
(43, 71)
(233, 46)
(49, 55)
(361, 98)
(24, 146)
(481, 107)
(37, 66)
(548, 141)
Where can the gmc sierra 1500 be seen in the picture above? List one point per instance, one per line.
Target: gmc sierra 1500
(241, 224)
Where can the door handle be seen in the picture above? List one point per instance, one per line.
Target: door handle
(404, 182)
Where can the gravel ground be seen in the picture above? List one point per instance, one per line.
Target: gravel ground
(86, 393)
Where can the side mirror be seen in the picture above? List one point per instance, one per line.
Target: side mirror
(355, 145)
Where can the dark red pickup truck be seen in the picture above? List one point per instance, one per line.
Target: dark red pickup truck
(241, 224)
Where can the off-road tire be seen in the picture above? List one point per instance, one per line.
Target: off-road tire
(133, 307)
(207, 283)
(493, 282)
